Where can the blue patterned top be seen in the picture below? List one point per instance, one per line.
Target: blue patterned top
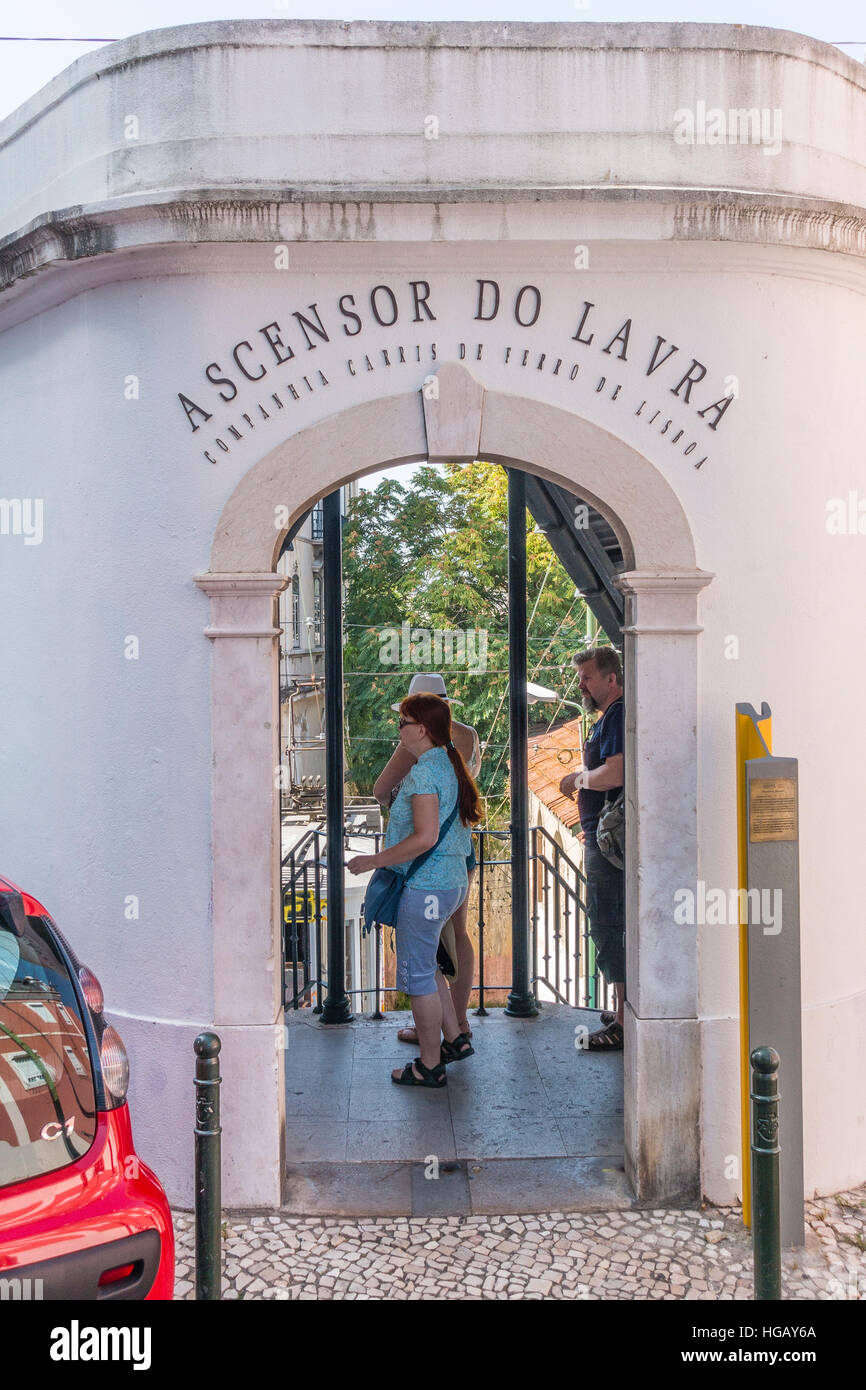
(446, 867)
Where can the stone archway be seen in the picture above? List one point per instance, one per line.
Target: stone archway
(460, 420)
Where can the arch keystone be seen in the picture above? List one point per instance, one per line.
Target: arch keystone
(453, 402)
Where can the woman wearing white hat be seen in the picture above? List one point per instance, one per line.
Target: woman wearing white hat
(387, 784)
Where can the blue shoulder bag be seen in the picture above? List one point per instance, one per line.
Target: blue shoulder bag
(385, 888)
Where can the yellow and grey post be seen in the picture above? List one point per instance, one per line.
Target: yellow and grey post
(775, 1005)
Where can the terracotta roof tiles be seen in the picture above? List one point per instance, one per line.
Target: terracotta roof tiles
(551, 756)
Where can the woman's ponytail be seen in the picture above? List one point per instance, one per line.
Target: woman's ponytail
(435, 714)
(468, 795)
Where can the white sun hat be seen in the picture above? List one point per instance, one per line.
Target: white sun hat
(428, 683)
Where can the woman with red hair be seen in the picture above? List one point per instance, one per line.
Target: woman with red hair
(437, 788)
(462, 952)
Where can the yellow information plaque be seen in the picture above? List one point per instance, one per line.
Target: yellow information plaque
(772, 809)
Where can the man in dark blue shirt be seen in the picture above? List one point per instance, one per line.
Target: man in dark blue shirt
(600, 781)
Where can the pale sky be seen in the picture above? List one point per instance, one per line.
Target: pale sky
(25, 67)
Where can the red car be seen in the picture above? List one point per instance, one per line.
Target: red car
(81, 1217)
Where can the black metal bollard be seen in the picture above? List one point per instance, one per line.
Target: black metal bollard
(208, 1196)
(766, 1236)
(377, 1012)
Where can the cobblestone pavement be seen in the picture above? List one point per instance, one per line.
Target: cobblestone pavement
(600, 1255)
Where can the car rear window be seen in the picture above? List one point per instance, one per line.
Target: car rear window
(47, 1103)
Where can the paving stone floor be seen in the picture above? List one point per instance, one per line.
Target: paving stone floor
(693, 1255)
(529, 1092)
(530, 1125)
(530, 1122)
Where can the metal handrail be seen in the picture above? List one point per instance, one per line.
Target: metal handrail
(595, 989)
(541, 830)
(567, 970)
(304, 843)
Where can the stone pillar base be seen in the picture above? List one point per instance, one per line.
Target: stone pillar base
(662, 1132)
(252, 1101)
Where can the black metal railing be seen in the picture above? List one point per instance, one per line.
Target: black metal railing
(559, 910)
(297, 871)
(562, 953)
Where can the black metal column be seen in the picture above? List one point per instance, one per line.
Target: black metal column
(336, 1008)
(208, 1190)
(521, 1000)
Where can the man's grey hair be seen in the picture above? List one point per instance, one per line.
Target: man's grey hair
(606, 659)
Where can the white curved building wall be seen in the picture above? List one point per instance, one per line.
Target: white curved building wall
(106, 767)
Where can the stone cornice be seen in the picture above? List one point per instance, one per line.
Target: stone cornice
(241, 585)
(266, 215)
(138, 49)
(234, 603)
(663, 581)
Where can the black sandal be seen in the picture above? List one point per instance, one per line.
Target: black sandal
(433, 1077)
(608, 1039)
(410, 1028)
(456, 1049)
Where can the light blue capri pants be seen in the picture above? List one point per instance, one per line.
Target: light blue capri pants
(421, 916)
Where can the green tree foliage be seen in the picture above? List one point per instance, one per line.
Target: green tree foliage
(433, 555)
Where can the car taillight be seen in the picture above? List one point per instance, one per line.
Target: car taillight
(92, 990)
(114, 1276)
(114, 1063)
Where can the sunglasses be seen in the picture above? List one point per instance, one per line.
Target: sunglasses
(401, 723)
